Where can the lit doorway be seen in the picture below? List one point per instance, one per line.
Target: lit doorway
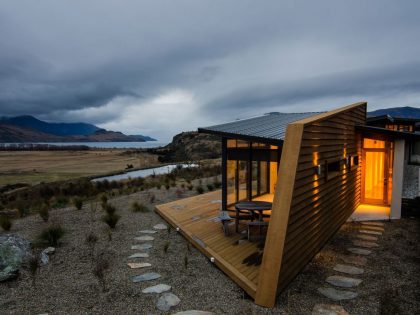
(377, 171)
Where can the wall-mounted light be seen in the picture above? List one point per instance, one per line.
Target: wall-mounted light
(348, 161)
(318, 170)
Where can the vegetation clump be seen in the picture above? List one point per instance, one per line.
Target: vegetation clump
(78, 203)
(44, 213)
(5, 223)
(52, 234)
(110, 218)
(199, 189)
(210, 187)
(139, 207)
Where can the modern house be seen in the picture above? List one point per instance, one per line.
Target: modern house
(317, 169)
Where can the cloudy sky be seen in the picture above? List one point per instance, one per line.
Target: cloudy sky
(161, 67)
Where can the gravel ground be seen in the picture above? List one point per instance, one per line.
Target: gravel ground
(67, 285)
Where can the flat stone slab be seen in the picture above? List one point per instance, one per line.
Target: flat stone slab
(146, 277)
(370, 232)
(139, 255)
(348, 269)
(354, 260)
(374, 223)
(160, 226)
(167, 301)
(194, 312)
(359, 251)
(142, 246)
(160, 288)
(138, 265)
(373, 228)
(365, 244)
(337, 295)
(344, 282)
(144, 238)
(367, 237)
(148, 231)
(328, 309)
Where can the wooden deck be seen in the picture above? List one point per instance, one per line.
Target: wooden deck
(196, 217)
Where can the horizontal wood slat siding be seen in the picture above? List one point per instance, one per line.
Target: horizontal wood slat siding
(319, 207)
(307, 208)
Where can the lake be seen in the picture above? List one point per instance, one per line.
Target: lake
(166, 169)
(103, 145)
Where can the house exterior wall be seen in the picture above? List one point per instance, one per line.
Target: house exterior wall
(309, 208)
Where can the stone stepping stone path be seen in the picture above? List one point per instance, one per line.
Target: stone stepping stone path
(139, 255)
(138, 265)
(328, 309)
(160, 226)
(374, 223)
(160, 288)
(146, 277)
(354, 260)
(344, 282)
(337, 295)
(365, 244)
(359, 251)
(348, 269)
(167, 301)
(370, 232)
(373, 228)
(194, 312)
(144, 238)
(148, 231)
(367, 237)
(142, 246)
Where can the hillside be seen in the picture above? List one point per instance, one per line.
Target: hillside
(189, 146)
(30, 129)
(402, 112)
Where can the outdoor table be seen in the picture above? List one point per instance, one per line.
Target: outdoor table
(253, 207)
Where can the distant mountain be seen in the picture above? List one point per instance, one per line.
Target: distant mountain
(30, 129)
(58, 129)
(401, 112)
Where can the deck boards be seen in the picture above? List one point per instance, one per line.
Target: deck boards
(193, 216)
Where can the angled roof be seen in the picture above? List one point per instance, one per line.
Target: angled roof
(270, 127)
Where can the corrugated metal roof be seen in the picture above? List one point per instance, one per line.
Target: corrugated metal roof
(271, 126)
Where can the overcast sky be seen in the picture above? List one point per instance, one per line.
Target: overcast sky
(161, 67)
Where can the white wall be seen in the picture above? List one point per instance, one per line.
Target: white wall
(397, 179)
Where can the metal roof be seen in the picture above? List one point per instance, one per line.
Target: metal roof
(271, 127)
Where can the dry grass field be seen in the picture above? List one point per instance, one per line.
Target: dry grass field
(33, 167)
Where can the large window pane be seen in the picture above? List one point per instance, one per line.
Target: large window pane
(231, 182)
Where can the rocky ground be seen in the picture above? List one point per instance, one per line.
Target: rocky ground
(66, 285)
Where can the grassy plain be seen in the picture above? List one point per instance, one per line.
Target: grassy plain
(33, 167)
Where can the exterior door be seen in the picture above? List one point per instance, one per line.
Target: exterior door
(376, 172)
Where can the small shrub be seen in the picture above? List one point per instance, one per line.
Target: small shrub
(179, 193)
(109, 209)
(78, 203)
(217, 184)
(91, 240)
(166, 246)
(167, 186)
(103, 198)
(152, 198)
(22, 210)
(33, 266)
(210, 187)
(44, 213)
(111, 219)
(169, 229)
(139, 207)
(6, 223)
(99, 270)
(52, 234)
(199, 189)
(190, 187)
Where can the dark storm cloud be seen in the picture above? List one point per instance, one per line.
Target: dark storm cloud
(101, 60)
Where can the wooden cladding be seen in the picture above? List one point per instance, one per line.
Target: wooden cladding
(309, 207)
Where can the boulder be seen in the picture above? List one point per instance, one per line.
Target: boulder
(14, 250)
(167, 301)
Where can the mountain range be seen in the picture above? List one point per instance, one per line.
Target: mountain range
(400, 112)
(30, 129)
